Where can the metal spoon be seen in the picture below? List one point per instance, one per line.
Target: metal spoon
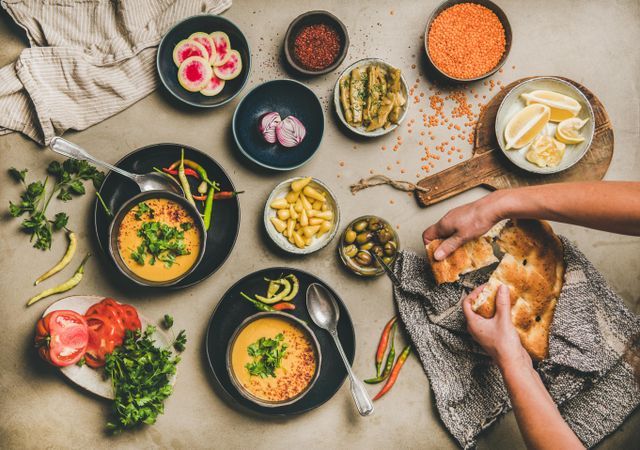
(147, 182)
(324, 312)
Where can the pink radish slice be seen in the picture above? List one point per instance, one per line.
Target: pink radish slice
(186, 49)
(213, 87)
(194, 73)
(230, 69)
(222, 46)
(205, 40)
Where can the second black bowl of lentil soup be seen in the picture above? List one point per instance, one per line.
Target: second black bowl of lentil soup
(316, 43)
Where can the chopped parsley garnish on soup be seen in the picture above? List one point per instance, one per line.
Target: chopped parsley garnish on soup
(157, 240)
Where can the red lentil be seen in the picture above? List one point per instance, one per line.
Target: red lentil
(466, 40)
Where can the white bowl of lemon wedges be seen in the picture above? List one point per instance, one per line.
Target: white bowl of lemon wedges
(545, 125)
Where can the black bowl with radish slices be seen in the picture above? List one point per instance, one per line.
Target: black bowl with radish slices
(204, 61)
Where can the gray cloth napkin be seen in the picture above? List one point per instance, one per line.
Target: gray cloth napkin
(589, 373)
(88, 60)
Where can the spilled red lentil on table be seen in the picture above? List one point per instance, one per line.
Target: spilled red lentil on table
(317, 46)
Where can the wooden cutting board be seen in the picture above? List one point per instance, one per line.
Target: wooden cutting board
(490, 168)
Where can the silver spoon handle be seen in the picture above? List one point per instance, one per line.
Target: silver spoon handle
(358, 391)
(71, 150)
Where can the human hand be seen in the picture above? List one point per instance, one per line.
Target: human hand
(497, 336)
(462, 224)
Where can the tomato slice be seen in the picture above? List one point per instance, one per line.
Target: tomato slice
(104, 337)
(131, 319)
(62, 337)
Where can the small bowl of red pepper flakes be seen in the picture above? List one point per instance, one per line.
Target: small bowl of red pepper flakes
(316, 43)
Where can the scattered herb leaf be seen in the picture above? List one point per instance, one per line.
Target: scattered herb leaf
(180, 342)
(168, 321)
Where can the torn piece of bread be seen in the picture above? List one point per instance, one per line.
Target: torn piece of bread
(471, 256)
(533, 269)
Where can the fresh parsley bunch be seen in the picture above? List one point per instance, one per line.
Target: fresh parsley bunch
(69, 178)
(140, 373)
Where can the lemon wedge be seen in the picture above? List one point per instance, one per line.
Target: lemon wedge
(568, 131)
(562, 106)
(545, 151)
(526, 125)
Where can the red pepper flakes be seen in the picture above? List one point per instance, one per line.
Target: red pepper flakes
(317, 46)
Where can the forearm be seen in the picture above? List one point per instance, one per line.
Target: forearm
(538, 418)
(610, 206)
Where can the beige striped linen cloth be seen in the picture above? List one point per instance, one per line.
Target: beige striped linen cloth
(87, 60)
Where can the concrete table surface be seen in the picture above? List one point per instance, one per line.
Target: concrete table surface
(593, 42)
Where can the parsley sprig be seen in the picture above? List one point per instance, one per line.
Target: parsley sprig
(140, 373)
(69, 178)
(267, 355)
(160, 241)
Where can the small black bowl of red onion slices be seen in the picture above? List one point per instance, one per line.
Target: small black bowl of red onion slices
(279, 124)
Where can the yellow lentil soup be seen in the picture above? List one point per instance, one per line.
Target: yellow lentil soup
(257, 344)
(158, 240)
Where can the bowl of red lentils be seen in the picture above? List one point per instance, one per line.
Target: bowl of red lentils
(467, 40)
(316, 43)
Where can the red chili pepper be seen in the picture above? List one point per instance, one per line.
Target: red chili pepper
(394, 373)
(284, 305)
(384, 343)
(187, 171)
(224, 195)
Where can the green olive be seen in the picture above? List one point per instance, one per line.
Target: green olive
(378, 250)
(374, 224)
(363, 258)
(360, 226)
(363, 237)
(390, 248)
(367, 246)
(350, 250)
(387, 260)
(384, 236)
(349, 236)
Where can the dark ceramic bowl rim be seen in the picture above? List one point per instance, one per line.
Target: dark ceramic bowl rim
(199, 105)
(260, 163)
(502, 17)
(97, 205)
(343, 257)
(288, 37)
(122, 212)
(287, 317)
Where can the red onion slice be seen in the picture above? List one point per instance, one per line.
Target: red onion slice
(290, 132)
(267, 126)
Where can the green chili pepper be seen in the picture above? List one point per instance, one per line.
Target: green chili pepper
(183, 180)
(64, 287)
(198, 168)
(208, 208)
(394, 373)
(66, 259)
(389, 363)
(261, 306)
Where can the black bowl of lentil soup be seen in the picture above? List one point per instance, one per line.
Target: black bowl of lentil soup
(316, 43)
(476, 29)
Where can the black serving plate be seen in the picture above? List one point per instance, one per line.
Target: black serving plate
(225, 222)
(233, 309)
(168, 71)
(286, 97)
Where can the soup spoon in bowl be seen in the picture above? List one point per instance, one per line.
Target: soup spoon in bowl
(146, 182)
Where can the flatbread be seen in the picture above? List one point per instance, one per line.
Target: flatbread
(533, 269)
(470, 257)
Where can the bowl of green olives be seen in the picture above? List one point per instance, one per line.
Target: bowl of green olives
(362, 238)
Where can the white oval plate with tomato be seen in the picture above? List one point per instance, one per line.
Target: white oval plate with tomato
(93, 380)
